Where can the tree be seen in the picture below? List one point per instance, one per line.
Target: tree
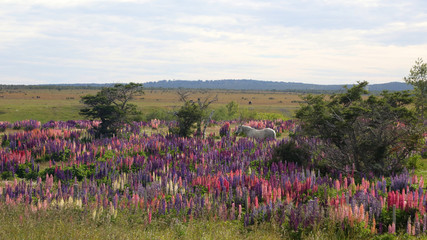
(232, 109)
(111, 106)
(188, 115)
(418, 79)
(202, 104)
(374, 134)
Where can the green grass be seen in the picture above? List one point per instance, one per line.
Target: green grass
(42, 111)
(22, 223)
(65, 104)
(422, 168)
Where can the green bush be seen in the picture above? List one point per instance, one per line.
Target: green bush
(220, 114)
(291, 151)
(188, 116)
(6, 175)
(161, 114)
(413, 162)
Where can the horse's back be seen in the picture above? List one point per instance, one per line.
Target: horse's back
(270, 133)
(266, 133)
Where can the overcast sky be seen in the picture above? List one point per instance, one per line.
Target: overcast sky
(111, 41)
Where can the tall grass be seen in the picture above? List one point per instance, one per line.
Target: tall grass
(22, 223)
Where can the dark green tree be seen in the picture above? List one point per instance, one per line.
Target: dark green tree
(188, 116)
(374, 134)
(111, 106)
(202, 104)
(418, 79)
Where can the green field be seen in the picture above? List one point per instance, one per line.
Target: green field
(51, 104)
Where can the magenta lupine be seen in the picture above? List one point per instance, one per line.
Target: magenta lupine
(157, 167)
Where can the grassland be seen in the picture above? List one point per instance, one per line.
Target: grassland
(51, 104)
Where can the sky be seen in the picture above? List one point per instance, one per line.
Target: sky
(119, 41)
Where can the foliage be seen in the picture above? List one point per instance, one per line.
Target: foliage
(111, 105)
(202, 104)
(292, 151)
(246, 114)
(269, 116)
(220, 114)
(418, 79)
(159, 113)
(228, 112)
(187, 116)
(375, 135)
(232, 109)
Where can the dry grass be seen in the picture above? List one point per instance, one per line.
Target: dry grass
(45, 105)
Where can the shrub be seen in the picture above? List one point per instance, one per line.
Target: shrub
(188, 115)
(374, 134)
(292, 151)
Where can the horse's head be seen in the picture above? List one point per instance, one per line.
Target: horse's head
(239, 130)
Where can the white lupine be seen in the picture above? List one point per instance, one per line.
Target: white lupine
(175, 189)
(61, 203)
(79, 203)
(171, 187)
(94, 214)
(70, 201)
(116, 185)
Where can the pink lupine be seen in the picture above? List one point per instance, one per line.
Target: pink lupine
(256, 202)
(337, 184)
(421, 207)
(248, 202)
(361, 213)
(392, 228)
(373, 228)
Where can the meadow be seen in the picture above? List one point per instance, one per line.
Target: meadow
(64, 104)
(58, 182)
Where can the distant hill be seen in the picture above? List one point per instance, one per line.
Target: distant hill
(245, 84)
(242, 84)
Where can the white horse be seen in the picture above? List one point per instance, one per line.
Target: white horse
(266, 133)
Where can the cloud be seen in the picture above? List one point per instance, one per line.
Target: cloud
(57, 4)
(322, 41)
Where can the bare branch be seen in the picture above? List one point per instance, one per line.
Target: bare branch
(183, 95)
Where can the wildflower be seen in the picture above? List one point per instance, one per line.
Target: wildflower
(94, 214)
(373, 228)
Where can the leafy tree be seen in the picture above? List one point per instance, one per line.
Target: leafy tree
(202, 104)
(232, 109)
(374, 134)
(111, 106)
(418, 79)
(188, 116)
